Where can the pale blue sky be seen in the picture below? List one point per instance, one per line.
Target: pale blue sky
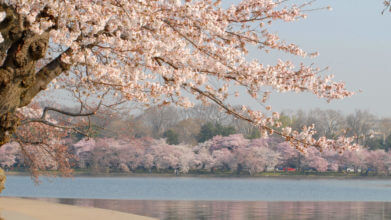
(354, 41)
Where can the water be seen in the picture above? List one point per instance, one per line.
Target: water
(227, 189)
(218, 198)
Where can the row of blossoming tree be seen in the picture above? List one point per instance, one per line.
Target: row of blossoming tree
(233, 154)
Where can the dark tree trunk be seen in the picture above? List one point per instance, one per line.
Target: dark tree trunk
(299, 162)
(20, 81)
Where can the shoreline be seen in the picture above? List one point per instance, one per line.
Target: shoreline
(278, 175)
(12, 208)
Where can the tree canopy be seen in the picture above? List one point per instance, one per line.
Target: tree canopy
(209, 130)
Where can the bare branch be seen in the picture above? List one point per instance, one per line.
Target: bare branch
(72, 114)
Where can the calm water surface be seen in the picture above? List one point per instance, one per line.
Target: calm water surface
(217, 198)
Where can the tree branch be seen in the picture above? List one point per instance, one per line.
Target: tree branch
(44, 77)
(46, 109)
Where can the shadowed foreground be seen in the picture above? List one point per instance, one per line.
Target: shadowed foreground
(26, 209)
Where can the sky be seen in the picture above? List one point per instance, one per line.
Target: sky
(354, 41)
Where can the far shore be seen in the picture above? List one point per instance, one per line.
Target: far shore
(28, 209)
(282, 175)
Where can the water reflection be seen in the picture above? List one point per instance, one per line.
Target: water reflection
(240, 210)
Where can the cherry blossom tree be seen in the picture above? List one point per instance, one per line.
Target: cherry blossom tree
(332, 158)
(257, 158)
(378, 161)
(289, 156)
(154, 52)
(230, 142)
(83, 149)
(8, 154)
(203, 159)
(132, 155)
(355, 159)
(224, 159)
(104, 157)
(313, 159)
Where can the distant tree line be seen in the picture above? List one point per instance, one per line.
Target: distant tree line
(201, 123)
